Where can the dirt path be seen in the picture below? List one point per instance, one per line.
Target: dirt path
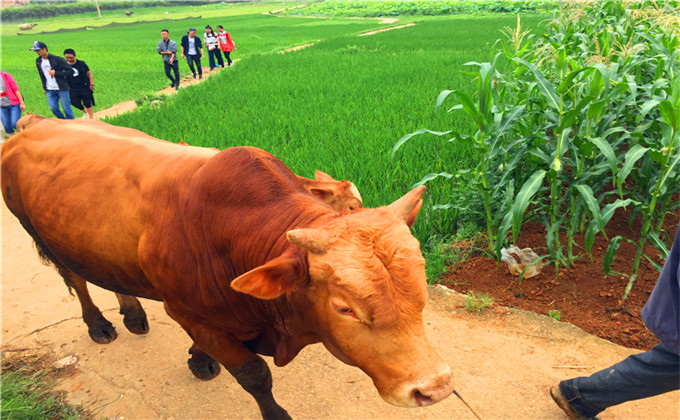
(504, 360)
(186, 80)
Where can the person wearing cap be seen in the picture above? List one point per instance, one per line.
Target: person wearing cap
(191, 45)
(82, 84)
(54, 71)
(212, 44)
(167, 48)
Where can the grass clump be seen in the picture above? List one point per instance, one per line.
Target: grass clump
(555, 314)
(477, 303)
(27, 393)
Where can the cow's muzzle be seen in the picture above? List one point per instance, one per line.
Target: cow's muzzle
(424, 391)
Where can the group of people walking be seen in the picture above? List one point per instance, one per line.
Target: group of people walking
(191, 48)
(68, 81)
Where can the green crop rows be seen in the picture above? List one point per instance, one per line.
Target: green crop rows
(339, 106)
(572, 124)
(124, 61)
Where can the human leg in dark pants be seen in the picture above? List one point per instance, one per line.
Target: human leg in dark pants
(175, 68)
(218, 56)
(191, 59)
(226, 55)
(643, 375)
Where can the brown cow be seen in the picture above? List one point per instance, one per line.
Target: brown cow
(244, 258)
(343, 196)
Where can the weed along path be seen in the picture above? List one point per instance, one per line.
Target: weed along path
(504, 360)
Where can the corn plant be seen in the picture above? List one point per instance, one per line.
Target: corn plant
(491, 143)
(596, 100)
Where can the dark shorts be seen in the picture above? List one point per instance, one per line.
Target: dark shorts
(82, 99)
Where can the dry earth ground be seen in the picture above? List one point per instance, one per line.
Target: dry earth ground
(504, 360)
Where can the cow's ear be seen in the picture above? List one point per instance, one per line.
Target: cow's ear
(322, 191)
(408, 206)
(272, 279)
(315, 241)
(322, 176)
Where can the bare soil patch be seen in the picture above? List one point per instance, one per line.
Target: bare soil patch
(583, 294)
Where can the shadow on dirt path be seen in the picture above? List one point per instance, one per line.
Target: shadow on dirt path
(504, 360)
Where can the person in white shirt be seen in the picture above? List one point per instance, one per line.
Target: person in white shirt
(213, 45)
(191, 45)
(54, 72)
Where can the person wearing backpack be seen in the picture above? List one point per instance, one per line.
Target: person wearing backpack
(212, 44)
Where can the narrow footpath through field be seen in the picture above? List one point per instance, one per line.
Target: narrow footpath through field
(504, 360)
(188, 80)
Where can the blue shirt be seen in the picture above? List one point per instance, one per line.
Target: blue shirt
(662, 310)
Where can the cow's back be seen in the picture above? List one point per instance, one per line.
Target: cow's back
(89, 190)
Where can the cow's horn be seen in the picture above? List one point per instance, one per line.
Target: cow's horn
(313, 240)
(407, 207)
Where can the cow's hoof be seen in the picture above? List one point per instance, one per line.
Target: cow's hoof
(102, 331)
(135, 322)
(204, 368)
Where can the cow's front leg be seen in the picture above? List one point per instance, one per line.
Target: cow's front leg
(256, 378)
(202, 365)
(250, 371)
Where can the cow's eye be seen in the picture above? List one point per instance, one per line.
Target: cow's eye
(344, 310)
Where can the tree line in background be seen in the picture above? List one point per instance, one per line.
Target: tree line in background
(65, 7)
(575, 124)
(387, 8)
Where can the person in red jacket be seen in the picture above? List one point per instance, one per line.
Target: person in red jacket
(226, 44)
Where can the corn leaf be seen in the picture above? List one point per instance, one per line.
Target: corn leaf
(416, 133)
(632, 156)
(523, 199)
(608, 152)
(612, 249)
(430, 177)
(545, 87)
(588, 196)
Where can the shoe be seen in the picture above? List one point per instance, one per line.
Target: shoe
(177, 86)
(84, 116)
(562, 402)
(200, 76)
(194, 75)
(172, 85)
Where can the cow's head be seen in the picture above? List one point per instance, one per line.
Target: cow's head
(343, 196)
(365, 297)
(27, 121)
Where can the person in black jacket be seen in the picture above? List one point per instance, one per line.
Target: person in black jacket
(82, 84)
(191, 45)
(54, 72)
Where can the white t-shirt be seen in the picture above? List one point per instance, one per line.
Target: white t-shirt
(50, 81)
(192, 46)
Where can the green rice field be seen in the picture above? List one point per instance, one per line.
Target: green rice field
(339, 105)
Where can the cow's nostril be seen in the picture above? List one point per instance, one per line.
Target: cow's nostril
(421, 399)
